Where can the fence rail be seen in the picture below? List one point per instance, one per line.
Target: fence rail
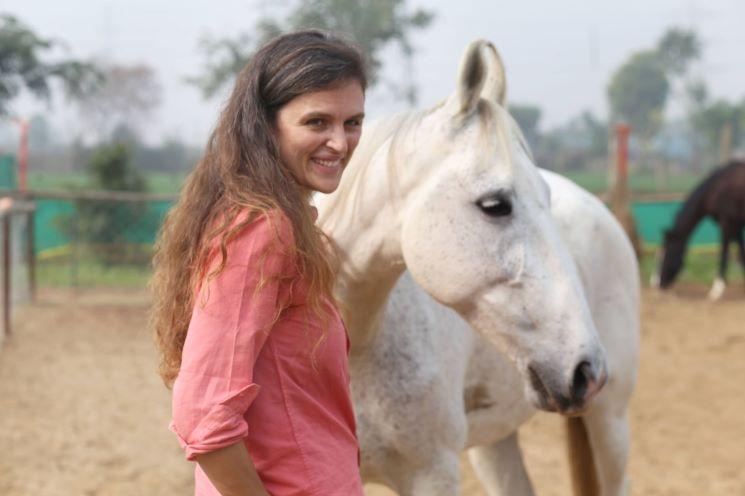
(93, 195)
(105, 238)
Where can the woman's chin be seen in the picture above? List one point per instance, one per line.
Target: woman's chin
(326, 183)
(326, 187)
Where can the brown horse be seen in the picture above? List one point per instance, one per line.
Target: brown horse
(720, 196)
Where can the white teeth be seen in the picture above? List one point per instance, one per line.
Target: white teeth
(331, 164)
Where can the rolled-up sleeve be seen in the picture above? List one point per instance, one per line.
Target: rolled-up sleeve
(232, 318)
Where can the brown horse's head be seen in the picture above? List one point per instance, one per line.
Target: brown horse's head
(673, 251)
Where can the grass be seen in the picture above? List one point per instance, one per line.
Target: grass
(701, 266)
(641, 181)
(90, 274)
(111, 266)
(157, 182)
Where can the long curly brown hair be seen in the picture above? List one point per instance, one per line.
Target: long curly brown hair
(241, 171)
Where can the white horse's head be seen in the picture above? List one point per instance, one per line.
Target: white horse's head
(477, 233)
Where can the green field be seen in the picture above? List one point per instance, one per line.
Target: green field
(92, 274)
(639, 181)
(156, 182)
(701, 264)
(701, 267)
(595, 181)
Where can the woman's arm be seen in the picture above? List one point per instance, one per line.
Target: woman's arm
(232, 471)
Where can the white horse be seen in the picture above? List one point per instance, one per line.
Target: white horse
(493, 321)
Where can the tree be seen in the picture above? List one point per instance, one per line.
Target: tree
(171, 156)
(40, 133)
(677, 49)
(127, 96)
(710, 121)
(639, 89)
(21, 66)
(597, 134)
(372, 24)
(110, 169)
(579, 144)
(638, 92)
(107, 228)
(527, 117)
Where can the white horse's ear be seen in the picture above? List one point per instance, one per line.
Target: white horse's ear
(471, 77)
(495, 86)
(481, 75)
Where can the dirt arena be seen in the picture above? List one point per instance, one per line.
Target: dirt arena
(83, 413)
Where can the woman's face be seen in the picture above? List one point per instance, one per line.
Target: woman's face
(317, 133)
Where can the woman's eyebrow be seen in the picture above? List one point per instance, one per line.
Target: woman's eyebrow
(314, 114)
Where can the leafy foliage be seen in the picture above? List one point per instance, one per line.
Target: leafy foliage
(580, 144)
(21, 66)
(677, 48)
(111, 169)
(126, 96)
(527, 117)
(101, 227)
(710, 120)
(638, 92)
(372, 24)
(40, 133)
(639, 89)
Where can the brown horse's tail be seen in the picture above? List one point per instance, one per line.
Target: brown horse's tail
(581, 461)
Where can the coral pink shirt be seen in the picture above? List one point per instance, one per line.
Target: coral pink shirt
(279, 383)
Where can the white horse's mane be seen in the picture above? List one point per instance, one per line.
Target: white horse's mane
(375, 135)
(396, 129)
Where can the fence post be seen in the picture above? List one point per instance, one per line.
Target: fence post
(31, 253)
(620, 201)
(6, 274)
(74, 250)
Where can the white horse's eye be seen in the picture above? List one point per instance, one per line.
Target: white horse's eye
(495, 205)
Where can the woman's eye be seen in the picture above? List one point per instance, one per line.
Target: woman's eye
(314, 122)
(354, 122)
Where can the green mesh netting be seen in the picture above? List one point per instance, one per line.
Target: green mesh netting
(53, 217)
(8, 177)
(652, 219)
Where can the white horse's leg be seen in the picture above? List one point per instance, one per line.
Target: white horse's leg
(499, 467)
(609, 438)
(439, 477)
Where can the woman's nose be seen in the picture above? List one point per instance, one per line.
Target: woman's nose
(338, 142)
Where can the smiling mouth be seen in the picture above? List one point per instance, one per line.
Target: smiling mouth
(329, 164)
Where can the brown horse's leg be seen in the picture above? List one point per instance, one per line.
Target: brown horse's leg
(717, 289)
(741, 246)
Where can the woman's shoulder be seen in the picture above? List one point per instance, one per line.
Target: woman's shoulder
(271, 227)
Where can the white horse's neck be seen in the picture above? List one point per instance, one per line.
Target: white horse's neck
(364, 228)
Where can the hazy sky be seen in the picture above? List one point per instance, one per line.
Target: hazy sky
(559, 54)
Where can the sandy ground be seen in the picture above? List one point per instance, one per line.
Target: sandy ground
(83, 413)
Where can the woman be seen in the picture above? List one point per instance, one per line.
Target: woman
(244, 316)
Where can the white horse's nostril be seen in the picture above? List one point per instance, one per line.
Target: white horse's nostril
(583, 379)
(595, 386)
